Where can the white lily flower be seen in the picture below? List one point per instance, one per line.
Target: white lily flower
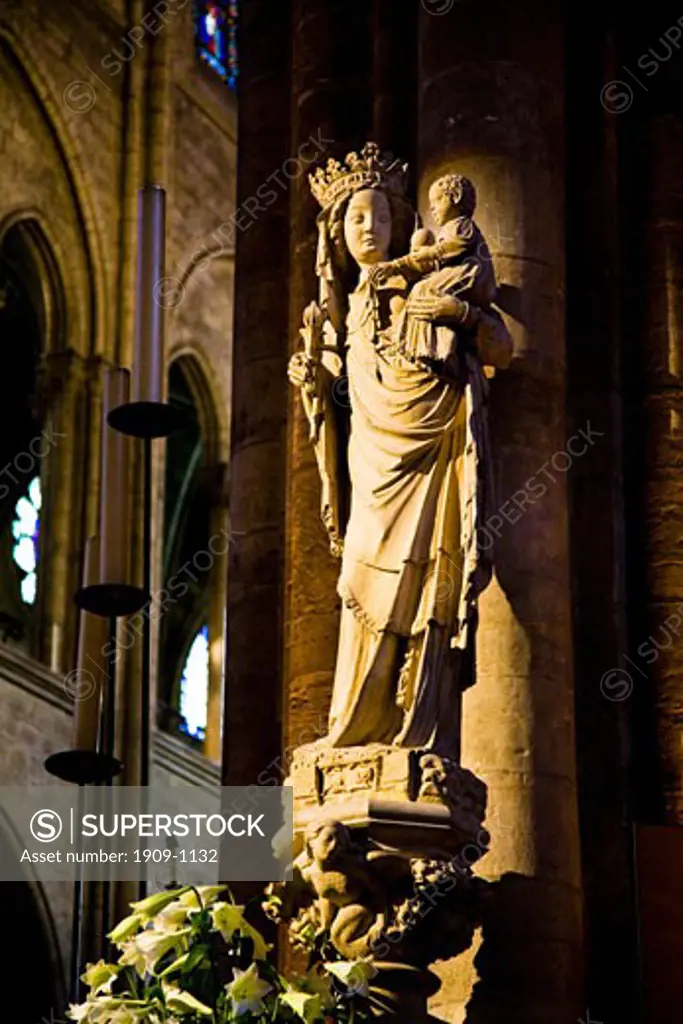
(183, 1002)
(79, 1011)
(307, 1006)
(208, 894)
(119, 1011)
(228, 919)
(172, 917)
(132, 957)
(247, 991)
(355, 974)
(94, 1011)
(125, 929)
(100, 977)
(148, 908)
(152, 945)
(318, 984)
(123, 1015)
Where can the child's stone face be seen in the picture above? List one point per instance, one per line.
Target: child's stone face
(440, 205)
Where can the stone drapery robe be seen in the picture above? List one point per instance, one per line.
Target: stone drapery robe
(411, 568)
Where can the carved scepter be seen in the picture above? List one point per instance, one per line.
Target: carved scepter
(312, 337)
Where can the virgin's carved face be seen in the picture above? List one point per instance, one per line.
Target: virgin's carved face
(367, 227)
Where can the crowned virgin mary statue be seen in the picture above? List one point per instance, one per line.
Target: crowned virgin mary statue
(403, 458)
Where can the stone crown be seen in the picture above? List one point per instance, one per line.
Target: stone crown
(369, 169)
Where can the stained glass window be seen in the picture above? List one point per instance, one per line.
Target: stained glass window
(217, 37)
(194, 686)
(25, 531)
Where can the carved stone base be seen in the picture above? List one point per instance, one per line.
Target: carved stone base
(411, 800)
(385, 840)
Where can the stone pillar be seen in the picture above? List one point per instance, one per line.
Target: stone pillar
(395, 79)
(218, 582)
(597, 537)
(331, 101)
(653, 318)
(253, 708)
(491, 106)
(659, 642)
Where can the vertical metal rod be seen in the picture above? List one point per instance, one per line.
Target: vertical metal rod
(77, 917)
(145, 687)
(107, 748)
(110, 713)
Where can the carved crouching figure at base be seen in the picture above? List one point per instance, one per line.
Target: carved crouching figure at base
(347, 888)
(373, 903)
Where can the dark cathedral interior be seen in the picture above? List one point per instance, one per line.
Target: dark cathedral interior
(340, 432)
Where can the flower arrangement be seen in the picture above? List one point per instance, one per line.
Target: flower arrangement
(177, 948)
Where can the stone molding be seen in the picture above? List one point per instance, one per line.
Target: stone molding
(169, 753)
(20, 669)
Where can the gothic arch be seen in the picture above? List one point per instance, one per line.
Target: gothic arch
(85, 290)
(213, 416)
(23, 234)
(31, 323)
(196, 521)
(46, 196)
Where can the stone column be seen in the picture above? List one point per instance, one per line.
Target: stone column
(491, 106)
(653, 315)
(253, 706)
(395, 79)
(597, 537)
(218, 583)
(331, 102)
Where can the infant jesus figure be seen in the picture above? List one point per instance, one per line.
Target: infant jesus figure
(455, 282)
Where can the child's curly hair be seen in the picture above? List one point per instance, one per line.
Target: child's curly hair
(460, 191)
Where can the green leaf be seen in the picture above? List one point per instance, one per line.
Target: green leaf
(182, 1002)
(196, 958)
(175, 966)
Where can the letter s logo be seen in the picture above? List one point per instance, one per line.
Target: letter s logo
(46, 826)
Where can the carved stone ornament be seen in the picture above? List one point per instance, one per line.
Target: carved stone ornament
(419, 801)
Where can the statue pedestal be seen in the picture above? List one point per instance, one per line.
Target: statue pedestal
(412, 800)
(385, 838)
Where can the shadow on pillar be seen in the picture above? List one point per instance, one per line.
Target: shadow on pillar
(510, 300)
(504, 963)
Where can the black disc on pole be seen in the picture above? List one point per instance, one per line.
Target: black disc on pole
(83, 767)
(111, 599)
(147, 419)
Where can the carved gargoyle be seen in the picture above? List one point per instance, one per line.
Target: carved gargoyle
(375, 903)
(342, 888)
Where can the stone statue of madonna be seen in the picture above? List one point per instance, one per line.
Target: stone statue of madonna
(401, 444)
